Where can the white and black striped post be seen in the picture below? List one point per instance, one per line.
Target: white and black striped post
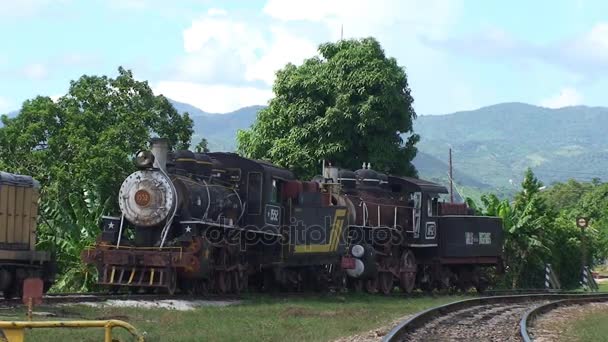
(585, 280)
(547, 276)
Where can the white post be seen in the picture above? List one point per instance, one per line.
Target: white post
(547, 276)
(585, 280)
(122, 221)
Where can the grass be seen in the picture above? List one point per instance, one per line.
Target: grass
(590, 326)
(307, 318)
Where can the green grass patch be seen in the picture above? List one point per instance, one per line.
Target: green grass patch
(259, 318)
(590, 326)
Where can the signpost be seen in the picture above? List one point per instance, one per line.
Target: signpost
(32, 294)
(582, 223)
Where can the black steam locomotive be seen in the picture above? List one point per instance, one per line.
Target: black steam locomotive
(219, 222)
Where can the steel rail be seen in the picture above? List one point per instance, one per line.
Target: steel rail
(531, 315)
(419, 320)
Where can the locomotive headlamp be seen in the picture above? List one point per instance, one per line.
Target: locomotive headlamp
(144, 159)
(357, 251)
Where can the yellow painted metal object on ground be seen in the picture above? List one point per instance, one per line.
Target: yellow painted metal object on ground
(15, 331)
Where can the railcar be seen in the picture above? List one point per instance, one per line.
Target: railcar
(200, 222)
(19, 257)
(400, 233)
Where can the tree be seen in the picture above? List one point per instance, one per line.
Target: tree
(84, 141)
(202, 146)
(349, 105)
(80, 149)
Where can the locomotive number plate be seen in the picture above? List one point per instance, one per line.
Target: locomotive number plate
(142, 198)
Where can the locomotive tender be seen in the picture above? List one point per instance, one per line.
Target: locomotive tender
(219, 222)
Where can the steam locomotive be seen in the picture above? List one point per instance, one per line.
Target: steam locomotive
(200, 222)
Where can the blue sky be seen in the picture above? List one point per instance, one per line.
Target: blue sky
(222, 55)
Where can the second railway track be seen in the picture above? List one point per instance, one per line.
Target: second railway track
(479, 319)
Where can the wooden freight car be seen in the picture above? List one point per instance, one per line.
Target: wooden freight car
(19, 258)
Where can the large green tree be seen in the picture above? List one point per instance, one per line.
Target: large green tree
(80, 147)
(352, 104)
(84, 140)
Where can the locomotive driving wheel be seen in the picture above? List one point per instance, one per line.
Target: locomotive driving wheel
(385, 282)
(371, 285)
(407, 271)
(171, 282)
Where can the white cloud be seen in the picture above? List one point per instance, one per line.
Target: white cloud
(213, 98)
(588, 48)
(216, 12)
(5, 105)
(567, 97)
(220, 48)
(367, 17)
(35, 71)
(284, 48)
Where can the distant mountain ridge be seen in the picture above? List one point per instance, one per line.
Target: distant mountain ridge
(491, 146)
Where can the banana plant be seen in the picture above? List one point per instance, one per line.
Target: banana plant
(68, 227)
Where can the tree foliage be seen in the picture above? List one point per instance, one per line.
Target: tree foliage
(202, 146)
(80, 149)
(350, 105)
(540, 228)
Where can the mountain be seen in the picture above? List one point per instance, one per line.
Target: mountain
(496, 144)
(184, 107)
(220, 129)
(491, 146)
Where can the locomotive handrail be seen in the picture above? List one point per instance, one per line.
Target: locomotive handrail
(381, 204)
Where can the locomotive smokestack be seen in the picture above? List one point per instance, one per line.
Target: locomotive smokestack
(160, 149)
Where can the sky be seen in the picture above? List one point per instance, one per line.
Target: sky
(222, 55)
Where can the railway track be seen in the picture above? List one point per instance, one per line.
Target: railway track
(530, 316)
(496, 318)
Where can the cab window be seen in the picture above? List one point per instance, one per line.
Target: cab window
(254, 193)
(275, 195)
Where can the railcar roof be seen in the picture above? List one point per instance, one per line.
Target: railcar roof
(420, 184)
(262, 164)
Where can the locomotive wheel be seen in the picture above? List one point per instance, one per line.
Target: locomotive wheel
(224, 282)
(371, 285)
(385, 282)
(201, 287)
(356, 285)
(407, 271)
(243, 281)
(172, 284)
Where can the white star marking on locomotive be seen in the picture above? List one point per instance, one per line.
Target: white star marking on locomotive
(188, 229)
(111, 225)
